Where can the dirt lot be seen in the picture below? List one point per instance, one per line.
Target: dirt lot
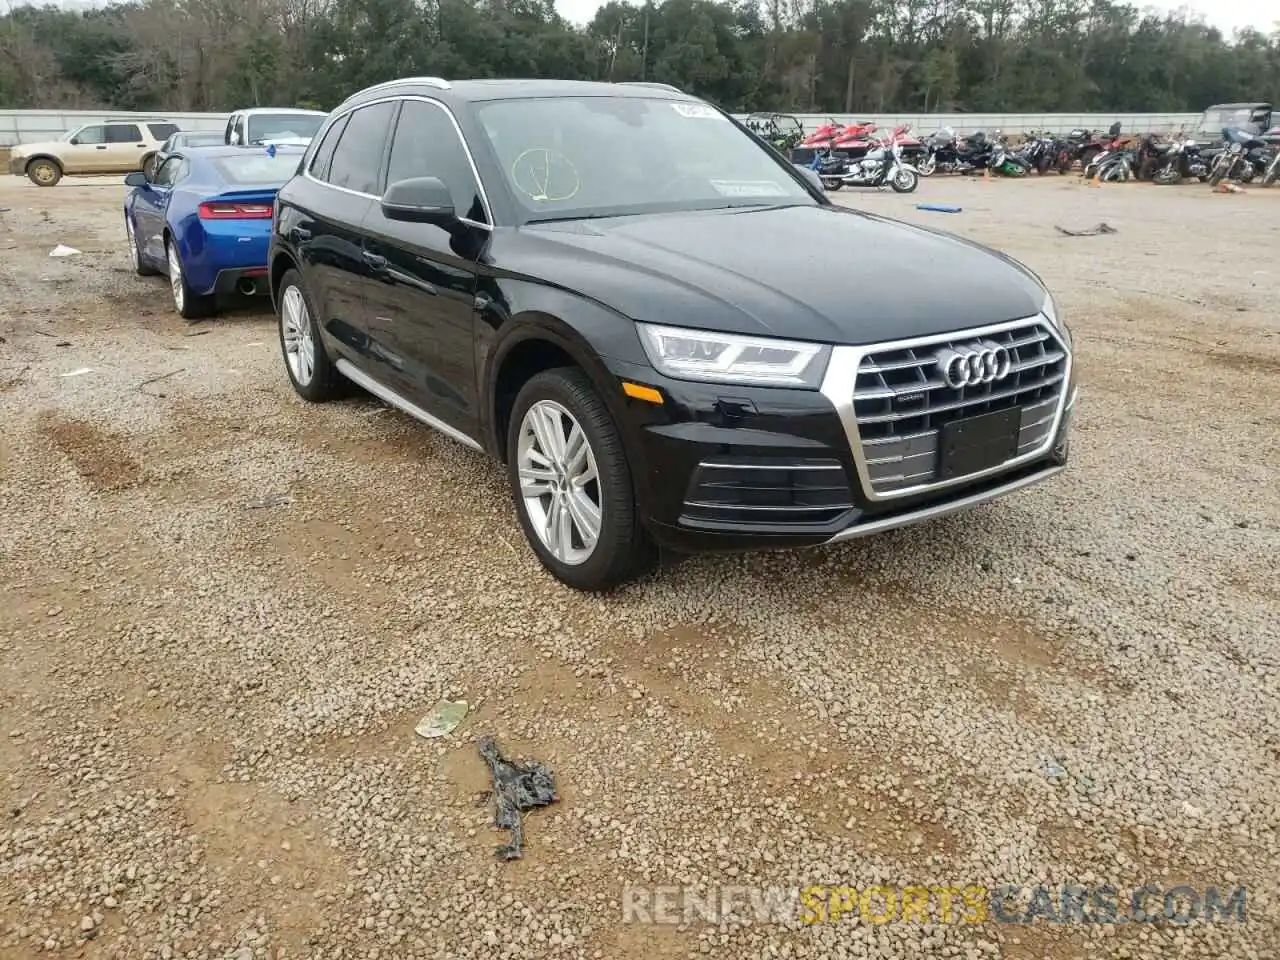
(222, 613)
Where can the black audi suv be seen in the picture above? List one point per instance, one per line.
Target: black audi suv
(667, 333)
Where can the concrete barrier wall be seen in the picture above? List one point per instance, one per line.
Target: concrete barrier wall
(26, 126)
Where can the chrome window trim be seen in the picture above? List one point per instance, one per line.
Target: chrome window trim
(842, 376)
(466, 148)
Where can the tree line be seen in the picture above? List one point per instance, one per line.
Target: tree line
(812, 56)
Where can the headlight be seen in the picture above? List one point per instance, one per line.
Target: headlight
(728, 358)
(1050, 311)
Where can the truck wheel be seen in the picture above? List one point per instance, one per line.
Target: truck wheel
(571, 483)
(44, 172)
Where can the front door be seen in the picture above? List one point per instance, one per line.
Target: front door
(87, 151)
(421, 305)
(151, 206)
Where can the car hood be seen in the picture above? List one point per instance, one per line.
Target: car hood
(43, 146)
(819, 273)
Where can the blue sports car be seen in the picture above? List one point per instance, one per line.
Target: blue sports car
(204, 218)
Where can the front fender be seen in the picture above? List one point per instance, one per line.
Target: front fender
(590, 333)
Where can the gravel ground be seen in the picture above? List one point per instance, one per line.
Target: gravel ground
(222, 613)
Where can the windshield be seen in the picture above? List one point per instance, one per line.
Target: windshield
(258, 169)
(282, 126)
(1214, 121)
(200, 139)
(570, 157)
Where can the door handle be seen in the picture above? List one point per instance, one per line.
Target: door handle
(375, 260)
(100, 147)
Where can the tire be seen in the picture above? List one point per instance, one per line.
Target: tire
(298, 331)
(44, 172)
(1272, 173)
(189, 304)
(563, 399)
(1217, 173)
(1167, 176)
(140, 266)
(928, 166)
(831, 184)
(148, 162)
(904, 181)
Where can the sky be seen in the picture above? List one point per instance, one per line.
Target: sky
(1226, 15)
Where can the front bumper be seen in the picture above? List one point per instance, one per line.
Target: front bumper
(724, 468)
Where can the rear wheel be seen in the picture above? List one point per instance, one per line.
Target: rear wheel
(189, 304)
(310, 371)
(571, 483)
(44, 172)
(927, 166)
(831, 184)
(1167, 175)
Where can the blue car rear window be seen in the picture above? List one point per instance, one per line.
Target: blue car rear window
(258, 169)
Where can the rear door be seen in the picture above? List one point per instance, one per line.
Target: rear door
(327, 209)
(421, 303)
(125, 146)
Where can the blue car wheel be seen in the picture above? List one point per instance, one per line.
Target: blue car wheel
(190, 305)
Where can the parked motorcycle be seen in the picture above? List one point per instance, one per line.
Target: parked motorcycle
(881, 166)
(1272, 173)
(1245, 156)
(1173, 162)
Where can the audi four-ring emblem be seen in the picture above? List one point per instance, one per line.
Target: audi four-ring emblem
(972, 364)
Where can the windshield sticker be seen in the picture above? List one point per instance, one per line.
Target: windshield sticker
(748, 188)
(696, 111)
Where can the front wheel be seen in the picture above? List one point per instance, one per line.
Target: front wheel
(831, 184)
(571, 483)
(904, 180)
(1217, 174)
(928, 166)
(44, 172)
(1272, 173)
(140, 266)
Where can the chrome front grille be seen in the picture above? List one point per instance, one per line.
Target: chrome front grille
(901, 401)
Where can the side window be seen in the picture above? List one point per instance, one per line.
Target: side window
(123, 133)
(357, 160)
(427, 145)
(92, 135)
(170, 172)
(162, 131)
(324, 152)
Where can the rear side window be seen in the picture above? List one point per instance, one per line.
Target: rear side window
(123, 133)
(426, 144)
(162, 131)
(357, 160)
(324, 153)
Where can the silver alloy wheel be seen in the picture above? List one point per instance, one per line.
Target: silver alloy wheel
(559, 482)
(295, 325)
(175, 278)
(133, 242)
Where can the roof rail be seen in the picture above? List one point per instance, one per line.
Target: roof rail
(438, 82)
(649, 83)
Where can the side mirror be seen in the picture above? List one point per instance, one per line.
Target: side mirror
(75, 141)
(136, 179)
(811, 175)
(419, 200)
